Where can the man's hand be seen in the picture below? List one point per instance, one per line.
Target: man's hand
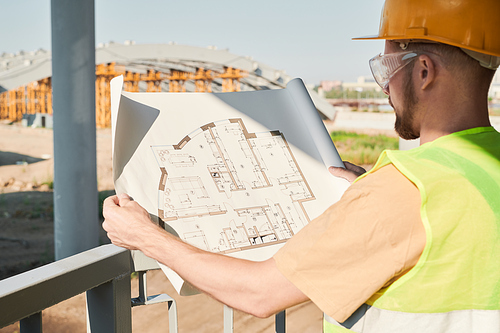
(128, 224)
(350, 173)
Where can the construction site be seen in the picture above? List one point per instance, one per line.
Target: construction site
(26, 77)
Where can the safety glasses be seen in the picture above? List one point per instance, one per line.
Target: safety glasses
(385, 66)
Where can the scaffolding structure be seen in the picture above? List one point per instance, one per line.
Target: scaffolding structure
(36, 97)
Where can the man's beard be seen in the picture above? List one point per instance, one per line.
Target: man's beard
(404, 121)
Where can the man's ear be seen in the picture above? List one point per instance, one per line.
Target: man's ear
(426, 71)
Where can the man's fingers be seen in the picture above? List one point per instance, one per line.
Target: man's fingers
(111, 201)
(124, 199)
(105, 225)
(117, 200)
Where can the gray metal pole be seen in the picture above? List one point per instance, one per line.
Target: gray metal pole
(31, 324)
(73, 81)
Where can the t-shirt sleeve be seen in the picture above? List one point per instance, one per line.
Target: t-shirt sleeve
(362, 243)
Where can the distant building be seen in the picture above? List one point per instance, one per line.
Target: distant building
(364, 83)
(329, 85)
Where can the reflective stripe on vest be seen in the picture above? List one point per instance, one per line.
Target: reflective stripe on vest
(386, 321)
(455, 286)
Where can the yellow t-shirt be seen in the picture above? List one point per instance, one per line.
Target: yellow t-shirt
(364, 242)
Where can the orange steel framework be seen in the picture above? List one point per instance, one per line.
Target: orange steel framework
(36, 97)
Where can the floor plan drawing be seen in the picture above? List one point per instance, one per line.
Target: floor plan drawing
(224, 189)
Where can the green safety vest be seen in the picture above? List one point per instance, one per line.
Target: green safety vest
(455, 285)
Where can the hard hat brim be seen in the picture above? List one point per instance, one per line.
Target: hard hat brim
(368, 37)
(427, 38)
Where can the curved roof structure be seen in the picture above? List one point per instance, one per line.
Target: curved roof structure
(24, 67)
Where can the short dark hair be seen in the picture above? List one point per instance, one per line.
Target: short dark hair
(464, 67)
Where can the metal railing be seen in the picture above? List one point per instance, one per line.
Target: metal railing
(104, 274)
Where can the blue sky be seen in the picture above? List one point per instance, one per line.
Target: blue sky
(309, 39)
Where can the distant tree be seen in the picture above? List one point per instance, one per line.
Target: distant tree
(353, 94)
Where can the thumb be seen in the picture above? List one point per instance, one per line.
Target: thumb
(343, 173)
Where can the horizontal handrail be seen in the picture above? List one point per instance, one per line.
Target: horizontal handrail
(35, 290)
(104, 272)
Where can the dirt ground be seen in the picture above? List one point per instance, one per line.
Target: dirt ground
(26, 198)
(26, 241)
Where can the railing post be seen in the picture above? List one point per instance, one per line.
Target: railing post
(228, 319)
(31, 324)
(280, 322)
(144, 299)
(109, 308)
(172, 316)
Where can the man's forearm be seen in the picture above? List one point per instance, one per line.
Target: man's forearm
(257, 288)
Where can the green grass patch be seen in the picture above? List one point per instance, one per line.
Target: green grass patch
(49, 183)
(362, 148)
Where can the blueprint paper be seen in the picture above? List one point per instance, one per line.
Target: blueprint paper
(231, 173)
(314, 124)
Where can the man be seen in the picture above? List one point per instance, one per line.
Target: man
(413, 245)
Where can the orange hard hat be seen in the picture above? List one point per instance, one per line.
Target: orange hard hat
(469, 24)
